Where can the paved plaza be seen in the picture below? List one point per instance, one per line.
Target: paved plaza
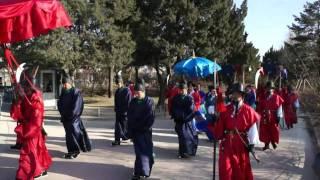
(292, 160)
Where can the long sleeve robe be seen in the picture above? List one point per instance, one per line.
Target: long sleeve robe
(290, 107)
(270, 110)
(34, 156)
(70, 106)
(234, 161)
(140, 121)
(183, 114)
(122, 100)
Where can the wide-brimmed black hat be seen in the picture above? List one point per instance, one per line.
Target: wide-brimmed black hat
(238, 87)
(183, 85)
(270, 85)
(140, 85)
(211, 87)
(66, 79)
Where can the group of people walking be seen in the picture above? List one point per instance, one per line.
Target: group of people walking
(28, 111)
(248, 116)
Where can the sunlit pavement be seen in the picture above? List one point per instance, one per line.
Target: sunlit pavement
(292, 159)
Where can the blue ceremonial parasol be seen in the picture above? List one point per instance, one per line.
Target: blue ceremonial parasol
(196, 67)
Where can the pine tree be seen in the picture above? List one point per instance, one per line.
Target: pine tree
(305, 40)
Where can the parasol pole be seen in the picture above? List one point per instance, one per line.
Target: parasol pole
(215, 75)
(214, 140)
(214, 158)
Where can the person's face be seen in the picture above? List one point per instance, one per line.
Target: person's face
(199, 87)
(139, 94)
(270, 91)
(213, 92)
(236, 96)
(183, 91)
(247, 89)
(66, 86)
(119, 84)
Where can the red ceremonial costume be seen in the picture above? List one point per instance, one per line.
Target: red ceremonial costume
(269, 109)
(260, 94)
(170, 94)
(234, 161)
(197, 100)
(34, 156)
(15, 114)
(290, 109)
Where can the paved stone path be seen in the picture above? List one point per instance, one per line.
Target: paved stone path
(292, 160)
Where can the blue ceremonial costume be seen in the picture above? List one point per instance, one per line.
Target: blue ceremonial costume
(182, 113)
(250, 99)
(140, 120)
(121, 105)
(70, 106)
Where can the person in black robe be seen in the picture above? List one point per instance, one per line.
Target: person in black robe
(183, 114)
(70, 106)
(122, 100)
(140, 120)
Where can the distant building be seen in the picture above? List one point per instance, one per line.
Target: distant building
(47, 80)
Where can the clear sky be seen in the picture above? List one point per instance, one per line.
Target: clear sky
(267, 21)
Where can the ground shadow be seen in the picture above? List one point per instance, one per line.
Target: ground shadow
(81, 170)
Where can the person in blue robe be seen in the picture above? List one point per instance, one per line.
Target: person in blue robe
(183, 114)
(140, 121)
(122, 100)
(70, 106)
(250, 96)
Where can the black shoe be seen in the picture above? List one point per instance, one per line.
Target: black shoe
(43, 174)
(274, 145)
(125, 138)
(75, 155)
(115, 143)
(136, 177)
(266, 147)
(183, 156)
(68, 156)
(71, 155)
(16, 146)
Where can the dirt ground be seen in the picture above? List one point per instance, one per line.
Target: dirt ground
(310, 103)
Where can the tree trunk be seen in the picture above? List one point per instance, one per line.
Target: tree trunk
(168, 73)
(93, 83)
(136, 68)
(72, 74)
(163, 86)
(110, 83)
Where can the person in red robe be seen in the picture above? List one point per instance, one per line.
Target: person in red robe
(172, 91)
(271, 111)
(34, 157)
(15, 114)
(236, 129)
(260, 94)
(290, 107)
(131, 87)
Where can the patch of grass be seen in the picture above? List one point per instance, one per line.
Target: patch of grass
(99, 101)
